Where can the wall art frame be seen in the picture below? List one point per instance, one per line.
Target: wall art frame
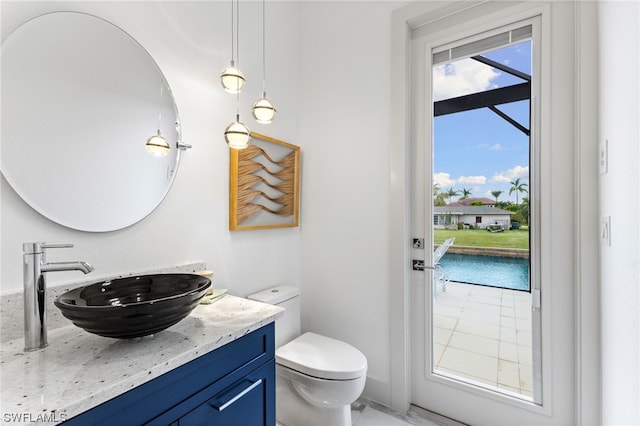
(264, 185)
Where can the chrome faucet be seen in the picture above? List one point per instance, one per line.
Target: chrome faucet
(35, 287)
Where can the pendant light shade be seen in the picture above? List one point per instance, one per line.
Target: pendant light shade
(237, 134)
(263, 110)
(232, 79)
(157, 145)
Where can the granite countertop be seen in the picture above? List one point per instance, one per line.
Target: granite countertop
(79, 370)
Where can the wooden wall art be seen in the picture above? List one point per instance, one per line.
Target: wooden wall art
(264, 185)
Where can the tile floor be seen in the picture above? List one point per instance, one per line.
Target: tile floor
(365, 412)
(368, 413)
(484, 334)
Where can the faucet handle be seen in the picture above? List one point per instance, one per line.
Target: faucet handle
(38, 247)
(46, 246)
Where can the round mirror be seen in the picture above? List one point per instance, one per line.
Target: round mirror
(80, 98)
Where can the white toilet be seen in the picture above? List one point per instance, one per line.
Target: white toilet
(317, 378)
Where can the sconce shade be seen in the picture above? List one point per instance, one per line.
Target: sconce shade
(232, 79)
(263, 110)
(237, 135)
(157, 145)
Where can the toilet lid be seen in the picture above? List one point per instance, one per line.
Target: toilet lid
(322, 357)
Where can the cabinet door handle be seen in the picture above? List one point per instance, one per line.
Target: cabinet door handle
(221, 402)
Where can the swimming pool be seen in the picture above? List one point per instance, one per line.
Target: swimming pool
(504, 272)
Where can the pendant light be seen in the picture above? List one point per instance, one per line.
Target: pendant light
(237, 134)
(232, 78)
(263, 109)
(156, 144)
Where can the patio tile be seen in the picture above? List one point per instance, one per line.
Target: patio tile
(473, 343)
(438, 349)
(507, 298)
(491, 331)
(508, 322)
(523, 325)
(442, 335)
(524, 338)
(445, 321)
(447, 310)
(486, 299)
(470, 363)
(473, 305)
(508, 351)
(508, 335)
(478, 315)
(525, 356)
(508, 311)
(526, 380)
(508, 373)
(483, 335)
(478, 290)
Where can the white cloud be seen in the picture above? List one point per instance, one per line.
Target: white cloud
(443, 180)
(461, 78)
(496, 147)
(511, 174)
(472, 180)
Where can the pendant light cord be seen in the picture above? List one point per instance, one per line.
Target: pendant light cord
(160, 112)
(264, 61)
(238, 32)
(232, 35)
(237, 54)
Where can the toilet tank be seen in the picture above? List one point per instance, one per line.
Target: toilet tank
(288, 297)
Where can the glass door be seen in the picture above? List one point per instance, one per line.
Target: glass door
(483, 345)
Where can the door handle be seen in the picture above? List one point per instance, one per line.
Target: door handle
(418, 265)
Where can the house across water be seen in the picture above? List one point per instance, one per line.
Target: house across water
(470, 216)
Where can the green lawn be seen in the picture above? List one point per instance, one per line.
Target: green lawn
(481, 238)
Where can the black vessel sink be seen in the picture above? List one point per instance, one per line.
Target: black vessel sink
(135, 306)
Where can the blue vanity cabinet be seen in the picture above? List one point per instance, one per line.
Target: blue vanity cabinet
(232, 385)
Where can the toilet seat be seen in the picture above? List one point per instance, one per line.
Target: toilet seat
(322, 357)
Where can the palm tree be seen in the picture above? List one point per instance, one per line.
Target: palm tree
(524, 209)
(496, 194)
(438, 197)
(451, 193)
(465, 193)
(517, 187)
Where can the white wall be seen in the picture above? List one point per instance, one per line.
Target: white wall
(190, 41)
(619, 49)
(345, 83)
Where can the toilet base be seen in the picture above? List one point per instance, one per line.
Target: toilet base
(293, 410)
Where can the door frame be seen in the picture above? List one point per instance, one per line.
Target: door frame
(587, 407)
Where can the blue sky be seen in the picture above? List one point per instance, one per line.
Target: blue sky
(477, 149)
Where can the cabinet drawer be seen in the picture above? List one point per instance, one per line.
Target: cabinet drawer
(249, 401)
(150, 400)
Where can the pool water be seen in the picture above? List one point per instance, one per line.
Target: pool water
(503, 272)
